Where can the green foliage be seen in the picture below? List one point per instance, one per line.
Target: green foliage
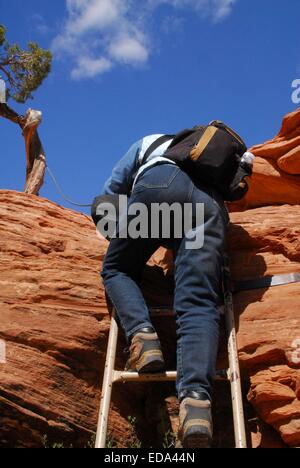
(91, 442)
(55, 445)
(23, 70)
(169, 440)
(2, 34)
(133, 443)
(62, 445)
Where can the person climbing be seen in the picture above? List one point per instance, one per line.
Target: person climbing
(168, 169)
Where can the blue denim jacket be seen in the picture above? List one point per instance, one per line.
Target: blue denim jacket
(124, 172)
(131, 166)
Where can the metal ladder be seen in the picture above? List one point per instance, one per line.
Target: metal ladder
(112, 376)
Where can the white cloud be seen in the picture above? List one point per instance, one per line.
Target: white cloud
(87, 15)
(38, 24)
(223, 8)
(216, 9)
(128, 50)
(89, 67)
(98, 34)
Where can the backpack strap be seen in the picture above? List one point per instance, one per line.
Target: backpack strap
(156, 144)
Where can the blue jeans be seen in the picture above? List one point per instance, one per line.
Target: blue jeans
(197, 275)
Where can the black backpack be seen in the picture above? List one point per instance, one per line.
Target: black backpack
(211, 154)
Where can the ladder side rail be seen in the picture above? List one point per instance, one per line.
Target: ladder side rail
(107, 384)
(234, 367)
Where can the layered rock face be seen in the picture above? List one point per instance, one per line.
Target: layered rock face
(51, 305)
(266, 241)
(276, 177)
(54, 324)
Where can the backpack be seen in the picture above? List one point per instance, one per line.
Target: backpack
(211, 154)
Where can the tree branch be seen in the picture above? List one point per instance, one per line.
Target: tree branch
(8, 113)
(9, 76)
(35, 154)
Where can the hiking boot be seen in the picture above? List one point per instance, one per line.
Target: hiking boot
(196, 429)
(145, 354)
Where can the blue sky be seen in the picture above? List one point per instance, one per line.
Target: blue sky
(126, 68)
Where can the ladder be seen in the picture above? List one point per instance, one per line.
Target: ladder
(112, 376)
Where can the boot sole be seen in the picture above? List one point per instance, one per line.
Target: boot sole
(154, 367)
(151, 363)
(194, 441)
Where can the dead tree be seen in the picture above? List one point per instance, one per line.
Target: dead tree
(35, 154)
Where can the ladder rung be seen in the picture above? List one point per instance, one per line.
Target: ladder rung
(122, 376)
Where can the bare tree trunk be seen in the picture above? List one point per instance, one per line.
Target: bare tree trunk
(35, 154)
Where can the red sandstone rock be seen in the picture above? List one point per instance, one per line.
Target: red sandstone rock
(276, 178)
(54, 321)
